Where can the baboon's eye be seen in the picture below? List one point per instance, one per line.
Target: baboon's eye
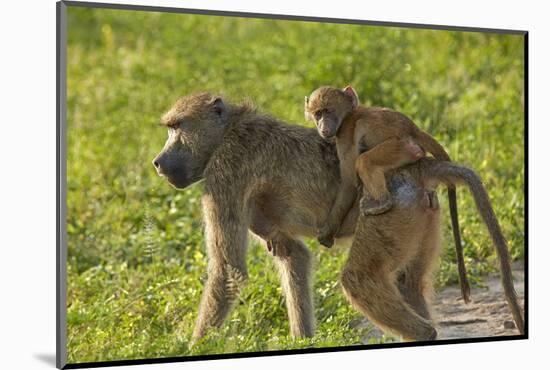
(176, 124)
(318, 114)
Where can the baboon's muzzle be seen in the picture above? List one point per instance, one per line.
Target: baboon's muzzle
(173, 172)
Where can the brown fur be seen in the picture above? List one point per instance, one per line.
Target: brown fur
(388, 273)
(371, 142)
(278, 181)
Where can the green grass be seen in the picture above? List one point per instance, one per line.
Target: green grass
(136, 258)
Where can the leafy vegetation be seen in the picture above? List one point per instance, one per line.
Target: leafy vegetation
(136, 257)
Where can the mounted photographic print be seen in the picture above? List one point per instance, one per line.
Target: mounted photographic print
(235, 184)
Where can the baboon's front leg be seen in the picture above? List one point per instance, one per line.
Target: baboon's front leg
(345, 198)
(220, 293)
(295, 273)
(226, 239)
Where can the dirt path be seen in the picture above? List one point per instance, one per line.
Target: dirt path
(486, 315)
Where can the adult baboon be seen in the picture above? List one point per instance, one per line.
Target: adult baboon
(276, 180)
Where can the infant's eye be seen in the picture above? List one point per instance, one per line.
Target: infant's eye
(318, 114)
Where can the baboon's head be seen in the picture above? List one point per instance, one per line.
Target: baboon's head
(196, 124)
(328, 107)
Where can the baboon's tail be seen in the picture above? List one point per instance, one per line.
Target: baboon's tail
(452, 173)
(431, 145)
(462, 275)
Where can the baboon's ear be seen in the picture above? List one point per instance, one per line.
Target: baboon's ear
(352, 94)
(307, 116)
(219, 107)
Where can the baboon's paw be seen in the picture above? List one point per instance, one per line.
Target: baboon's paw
(326, 241)
(372, 207)
(277, 248)
(428, 333)
(326, 238)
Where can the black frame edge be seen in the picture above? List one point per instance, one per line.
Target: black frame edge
(526, 181)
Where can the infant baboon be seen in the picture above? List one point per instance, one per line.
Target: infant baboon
(279, 181)
(370, 142)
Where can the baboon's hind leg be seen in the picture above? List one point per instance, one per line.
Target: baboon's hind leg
(295, 273)
(415, 281)
(368, 281)
(293, 261)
